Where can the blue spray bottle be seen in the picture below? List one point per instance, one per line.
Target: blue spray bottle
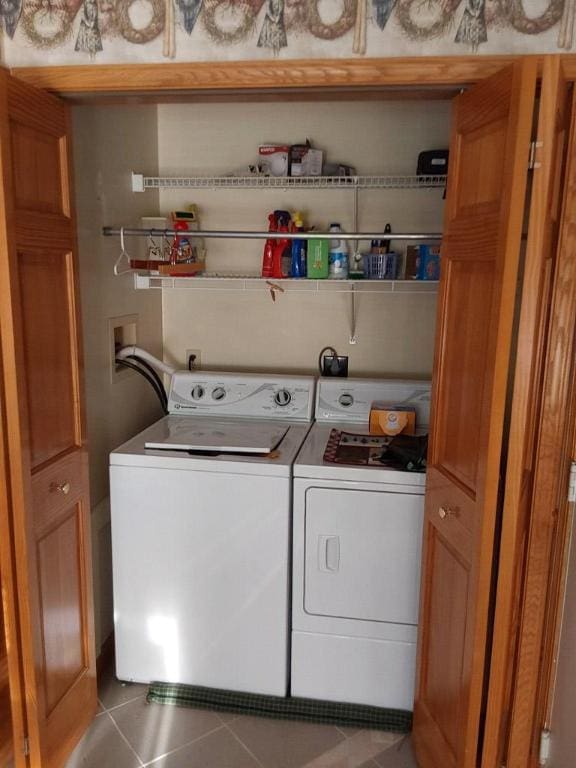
(298, 260)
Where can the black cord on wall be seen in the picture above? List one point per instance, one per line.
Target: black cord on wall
(157, 386)
(151, 370)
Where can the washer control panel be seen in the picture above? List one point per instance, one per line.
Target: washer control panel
(350, 400)
(242, 396)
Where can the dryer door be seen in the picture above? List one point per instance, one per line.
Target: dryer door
(362, 558)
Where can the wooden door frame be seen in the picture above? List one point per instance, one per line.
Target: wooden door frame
(543, 576)
(274, 77)
(232, 80)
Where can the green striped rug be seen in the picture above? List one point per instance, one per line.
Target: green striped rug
(308, 710)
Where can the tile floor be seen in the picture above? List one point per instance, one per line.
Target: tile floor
(129, 733)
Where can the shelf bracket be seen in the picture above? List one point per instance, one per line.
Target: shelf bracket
(137, 182)
(354, 253)
(352, 316)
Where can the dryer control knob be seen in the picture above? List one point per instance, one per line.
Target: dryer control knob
(282, 397)
(197, 392)
(218, 393)
(346, 399)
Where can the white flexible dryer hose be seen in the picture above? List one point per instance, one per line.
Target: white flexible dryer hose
(139, 352)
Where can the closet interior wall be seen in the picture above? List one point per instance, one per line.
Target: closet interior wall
(237, 330)
(108, 143)
(247, 330)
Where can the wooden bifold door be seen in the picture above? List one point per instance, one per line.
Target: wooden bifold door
(489, 150)
(46, 510)
(484, 470)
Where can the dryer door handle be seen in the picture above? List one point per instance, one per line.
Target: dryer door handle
(328, 553)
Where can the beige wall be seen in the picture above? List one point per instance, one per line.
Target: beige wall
(244, 331)
(108, 143)
(249, 331)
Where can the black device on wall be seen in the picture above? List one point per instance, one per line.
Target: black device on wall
(433, 162)
(332, 364)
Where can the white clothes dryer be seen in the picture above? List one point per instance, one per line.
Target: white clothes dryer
(356, 551)
(201, 531)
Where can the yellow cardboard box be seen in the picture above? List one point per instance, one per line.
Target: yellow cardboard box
(386, 419)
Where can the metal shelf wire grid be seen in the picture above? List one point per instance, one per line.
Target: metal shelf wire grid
(287, 182)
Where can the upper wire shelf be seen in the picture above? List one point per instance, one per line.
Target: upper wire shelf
(140, 182)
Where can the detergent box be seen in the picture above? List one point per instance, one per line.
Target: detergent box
(386, 419)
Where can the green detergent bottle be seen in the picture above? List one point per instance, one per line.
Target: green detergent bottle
(317, 259)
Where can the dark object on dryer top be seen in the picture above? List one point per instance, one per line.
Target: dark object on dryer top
(409, 451)
(433, 162)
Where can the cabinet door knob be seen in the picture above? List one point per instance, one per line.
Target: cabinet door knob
(60, 488)
(445, 512)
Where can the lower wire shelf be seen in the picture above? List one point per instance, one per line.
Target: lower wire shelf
(228, 282)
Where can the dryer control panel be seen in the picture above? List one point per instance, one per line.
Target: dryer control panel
(349, 400)
(242, 395)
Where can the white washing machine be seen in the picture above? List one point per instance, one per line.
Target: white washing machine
(356, 551)
(201, 532)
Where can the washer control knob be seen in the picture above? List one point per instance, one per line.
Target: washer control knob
(197, 392)
(346, 400)
(218, 393)
(282, 397)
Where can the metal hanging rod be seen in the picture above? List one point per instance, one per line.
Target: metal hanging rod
(239, 235)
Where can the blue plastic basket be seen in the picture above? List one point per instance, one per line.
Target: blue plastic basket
(381, 266)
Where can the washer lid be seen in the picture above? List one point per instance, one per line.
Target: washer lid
(278, 462)
(220, 437)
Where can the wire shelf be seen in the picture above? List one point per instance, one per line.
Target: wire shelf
(231, 282)
(140, 182)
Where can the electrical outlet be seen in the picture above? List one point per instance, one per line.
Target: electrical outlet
(196, 362)
(335, 365)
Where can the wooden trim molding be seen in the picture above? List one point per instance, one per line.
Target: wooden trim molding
(267, 75)
(548, 517)
(569, 66)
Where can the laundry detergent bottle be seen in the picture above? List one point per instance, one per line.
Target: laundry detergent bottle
(281, 249)
(298, 260)
(338, 255)
(267, 258)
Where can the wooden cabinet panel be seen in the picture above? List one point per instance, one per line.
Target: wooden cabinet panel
(49, 328)
(461, 390)
(56, 487)
(38, 153)
(60, 517)
(60, 597)
(486, 140)
(448, 617)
